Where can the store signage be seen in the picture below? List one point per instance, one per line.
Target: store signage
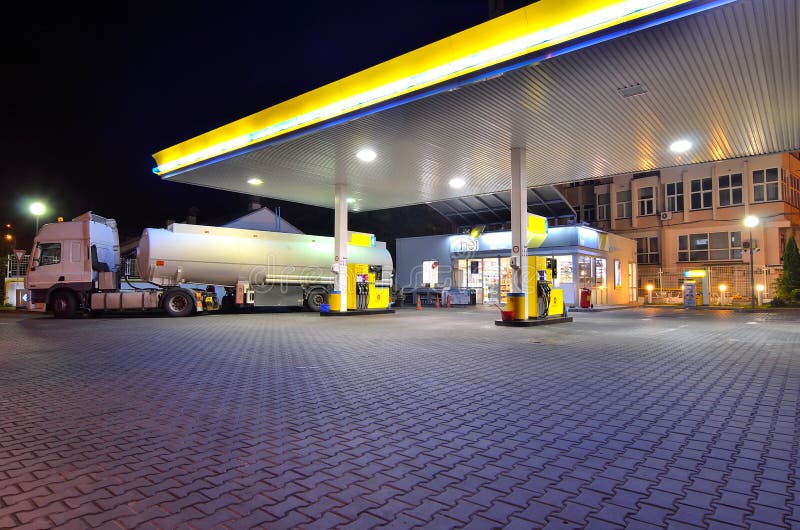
(462, 244)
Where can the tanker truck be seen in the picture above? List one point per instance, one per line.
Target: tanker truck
(76, 267)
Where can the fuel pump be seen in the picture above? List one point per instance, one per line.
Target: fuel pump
(543, 294)
(362, 293)
(543, 299)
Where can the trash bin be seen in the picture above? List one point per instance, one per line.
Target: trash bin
(586, 297)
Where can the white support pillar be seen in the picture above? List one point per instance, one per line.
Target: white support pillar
(340, 238)
(519, 226)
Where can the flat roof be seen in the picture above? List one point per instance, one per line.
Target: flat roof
(589, 88)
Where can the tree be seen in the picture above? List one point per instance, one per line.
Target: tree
(790, 279)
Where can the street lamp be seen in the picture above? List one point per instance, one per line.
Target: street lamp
(649, 288)
(750, 221)
(37, 209)
(722, 289)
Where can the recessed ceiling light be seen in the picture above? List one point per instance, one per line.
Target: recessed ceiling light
(457, 183)
(366, 155)
(680, 146)
(350, 200)
(255, 181)
(633, 90)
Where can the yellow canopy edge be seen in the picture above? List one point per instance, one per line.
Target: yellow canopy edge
(526, 30)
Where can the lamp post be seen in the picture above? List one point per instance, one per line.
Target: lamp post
(37, 209)
(750, 221)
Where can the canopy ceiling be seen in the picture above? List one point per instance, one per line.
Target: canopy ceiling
(727, 79)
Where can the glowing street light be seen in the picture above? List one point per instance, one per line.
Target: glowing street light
(722, 289)
(649, 288)
(37, 209)
(750, 221)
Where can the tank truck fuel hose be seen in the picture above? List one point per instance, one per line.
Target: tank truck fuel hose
(125, 277)
(544, 297)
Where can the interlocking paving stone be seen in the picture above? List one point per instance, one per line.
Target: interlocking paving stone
(434, 419)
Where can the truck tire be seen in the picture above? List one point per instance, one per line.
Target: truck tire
(63, 304)
(228, 304)
(178, 303)
(315, 297)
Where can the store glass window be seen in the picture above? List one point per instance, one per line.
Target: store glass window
(591, 271)
(600, 272)
(564, 269)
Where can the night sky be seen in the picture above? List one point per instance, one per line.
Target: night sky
(90, 93)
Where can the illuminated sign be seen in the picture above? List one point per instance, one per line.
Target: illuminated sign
(696, 273)
(461, 244)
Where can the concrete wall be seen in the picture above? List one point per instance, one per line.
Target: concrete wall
(412, 251)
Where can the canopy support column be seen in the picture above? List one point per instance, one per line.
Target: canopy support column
(340, 237)
(519, 230)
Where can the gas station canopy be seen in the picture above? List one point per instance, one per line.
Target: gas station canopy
(590, 89)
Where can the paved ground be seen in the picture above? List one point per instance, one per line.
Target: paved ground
(642, 418)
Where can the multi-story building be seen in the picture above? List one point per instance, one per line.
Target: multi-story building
(692, 217)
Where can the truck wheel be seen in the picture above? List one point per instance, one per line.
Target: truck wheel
(63, 304)
(228, 304)
(178, 304)
(316, 297)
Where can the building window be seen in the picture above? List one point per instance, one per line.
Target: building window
(714, 246)
(646, 201)
(730, 189)
(588, 213)
(674, 197)
(603, 201)
(701, 193)
(647, 250)
(623, 204)
(791, 188)
(765, 185)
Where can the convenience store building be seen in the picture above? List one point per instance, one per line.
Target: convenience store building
(586, 258)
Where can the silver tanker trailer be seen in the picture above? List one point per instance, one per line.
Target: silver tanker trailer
(76, 266)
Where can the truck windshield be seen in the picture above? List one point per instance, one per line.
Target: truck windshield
(49, 253)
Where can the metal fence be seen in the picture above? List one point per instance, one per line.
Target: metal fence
(129, 268)
(15, 268)
(728, 282)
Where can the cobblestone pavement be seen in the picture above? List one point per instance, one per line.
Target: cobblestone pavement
(642, 418)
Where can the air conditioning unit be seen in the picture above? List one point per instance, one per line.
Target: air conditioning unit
(666, 216)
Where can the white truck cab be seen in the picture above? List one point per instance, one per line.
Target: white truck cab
(67, 258)
(75, 266)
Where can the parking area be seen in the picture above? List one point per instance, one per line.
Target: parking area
(638, 418)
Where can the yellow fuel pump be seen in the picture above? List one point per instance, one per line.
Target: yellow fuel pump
(543, 299)
(362, 294)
